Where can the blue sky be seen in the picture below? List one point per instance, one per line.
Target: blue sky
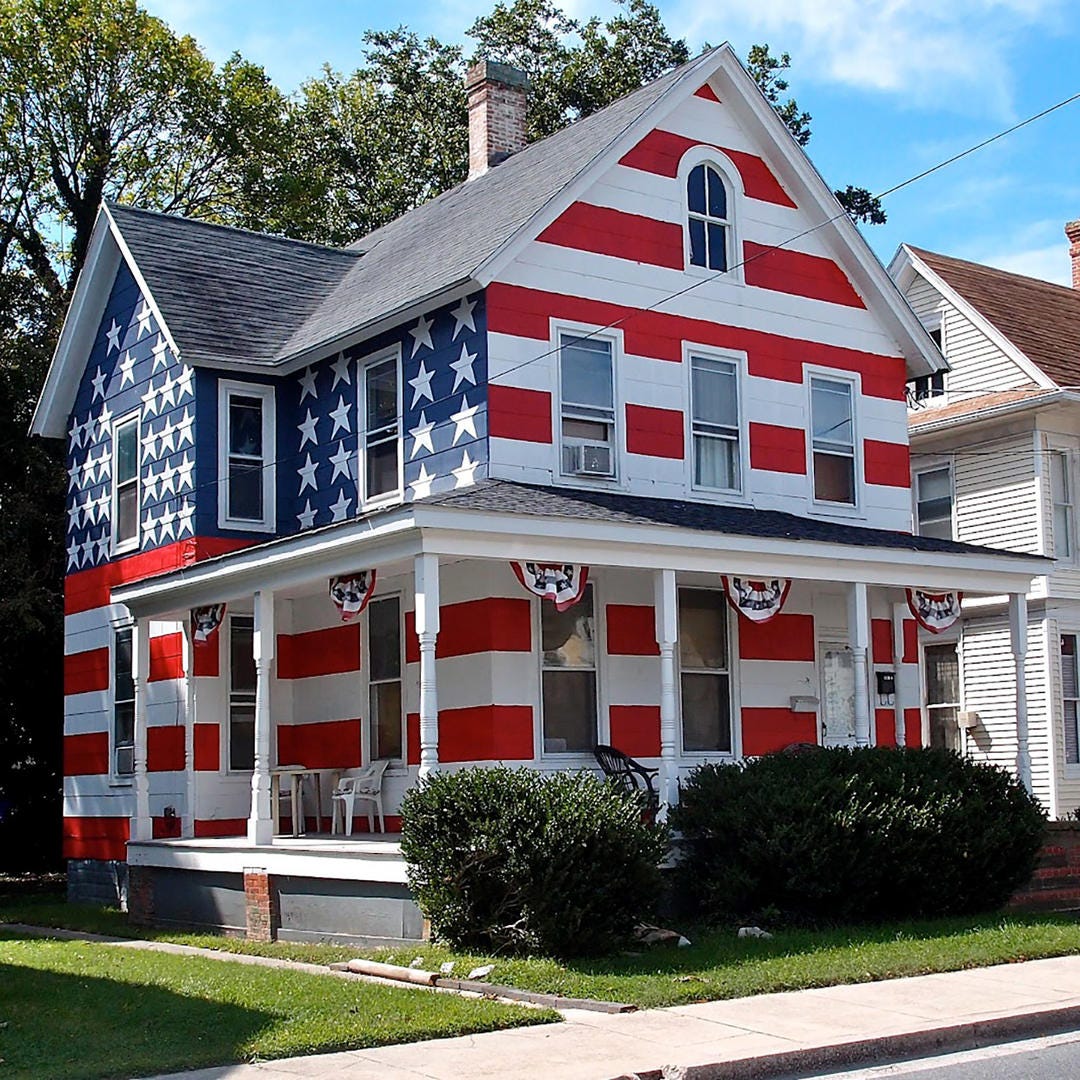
(894, 86)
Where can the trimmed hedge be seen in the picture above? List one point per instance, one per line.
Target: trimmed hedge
(865, 834)
(512, 859)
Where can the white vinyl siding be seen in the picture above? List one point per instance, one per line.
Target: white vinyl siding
(995, 483)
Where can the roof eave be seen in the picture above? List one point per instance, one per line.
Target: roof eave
(1038, 400)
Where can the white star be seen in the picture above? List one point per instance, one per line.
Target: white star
(113, 334)
(340, 416)
(183, 474)
(144, 321)
(150, 528)
(105, 464)
(463, 367)
(167, 518)
(340, 509)
(73, 553)
(421, 436)
(102, 546)
(463, 316)
(422, 484)
(168, 392)
(307, 431)
(87, 547)
(103, 505)
(306, 517)
(99, 385)
(149, 443)
(307, 384)
(187, 511)
(183, 384)
(183, 430)
(86, 510)
(76, 432)
(340, 461)
(89, 471)
(464, 472)
(104, 421)
(150, 483)
(168, 480)
(127, 370)
(422, 385)
(463, 420)
(341, 368)
(165, 438)
(421, 334)
(306, 472)
(149, 399)
(159, 351)
(73, 475)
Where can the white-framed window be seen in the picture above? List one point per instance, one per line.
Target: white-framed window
(708, 222)
(934, 502)
(941, 664)
(123, 687)
(715, 423)
(380, 411)
(125, 471)
(587, 405)
(245, 456)
(1061, 493)
(832, 419)
(1070, 698)
(926, 387)
(242, 679)
(704, 672)
(386, 714)
(569, 707)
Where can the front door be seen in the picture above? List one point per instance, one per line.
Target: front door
(943, 695)
(837, 694)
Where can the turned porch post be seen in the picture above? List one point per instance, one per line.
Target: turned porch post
(260, 819)
(142, 827)
(1018, 621)
(667, 634)
(426, 571)
(859, 640)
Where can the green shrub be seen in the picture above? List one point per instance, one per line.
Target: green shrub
(855, 834)
(512, 859)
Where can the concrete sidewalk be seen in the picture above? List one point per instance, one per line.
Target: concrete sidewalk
(769, 1035)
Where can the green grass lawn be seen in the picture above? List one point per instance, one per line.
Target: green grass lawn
(718, 965)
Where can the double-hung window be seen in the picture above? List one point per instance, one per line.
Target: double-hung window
(241, 693)
(382, 443)
(588, 406)
(246, 464)
(126, 484)
(833, 433)
(942, 666)
(705, 674)
(708, 220)
(384, 678)
(934, 503)
(1061, 489)
(123, 741)
(714, 399)
(568, 676)
(1070, 698)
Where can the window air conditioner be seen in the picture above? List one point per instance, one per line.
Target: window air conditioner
(589, 459)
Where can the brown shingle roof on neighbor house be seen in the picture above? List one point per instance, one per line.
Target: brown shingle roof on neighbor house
(1041, 319)
(980, 403)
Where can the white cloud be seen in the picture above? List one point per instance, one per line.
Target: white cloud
(1049, 263)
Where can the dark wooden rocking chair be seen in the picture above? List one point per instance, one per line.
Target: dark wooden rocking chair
(631, 776)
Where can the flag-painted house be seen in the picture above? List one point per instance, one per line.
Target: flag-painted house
(606, 445)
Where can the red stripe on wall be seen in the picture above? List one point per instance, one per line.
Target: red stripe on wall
(706, 91)
(913, 727)
(208, 657)
(86, 755)
(631, 630)
(486, 733)
(496, 624)
(95, 838)
(319, 652)
(165, 749)
(766, 730)
(887, 463)
(884, 727)
(523, 312)
(519, 414)
(412, 738)
(777, 449)
(90, 589)
(221, 827)
(655, 432)
(164, 828)
(799, 274)
(334, 744)
(661, 151)
(600, 229)
(166, 657)
(86, 671)
(881, 640)
(911, 642)
(783, 637)
(635, 729)
(207, 747)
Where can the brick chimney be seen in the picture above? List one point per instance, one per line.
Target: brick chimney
(496, 94)
(1072, 231)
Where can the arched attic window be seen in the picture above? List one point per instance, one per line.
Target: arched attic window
(708, 218)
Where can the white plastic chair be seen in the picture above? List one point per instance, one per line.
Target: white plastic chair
(365, 786)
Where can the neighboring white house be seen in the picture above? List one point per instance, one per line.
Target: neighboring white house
(995, 444)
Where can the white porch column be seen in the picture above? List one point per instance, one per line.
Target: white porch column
(426, 572)
(142, 827)
(899, 613)
(667, 635)
(859, 640)
(1018, 620)
(260, 819)
(187, 827)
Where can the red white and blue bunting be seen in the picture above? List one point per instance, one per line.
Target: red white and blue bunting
(759, 599)
(351, 592)
(935, 612)
(561, 583)
(205, 622)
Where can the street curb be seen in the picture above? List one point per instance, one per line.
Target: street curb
(966, 1036)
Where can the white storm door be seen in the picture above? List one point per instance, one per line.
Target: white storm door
(837, 694)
